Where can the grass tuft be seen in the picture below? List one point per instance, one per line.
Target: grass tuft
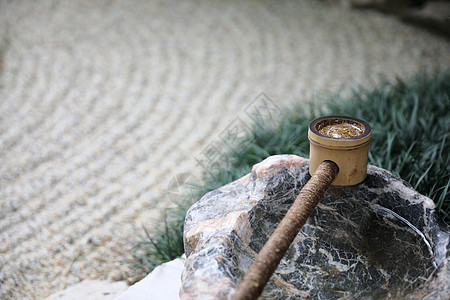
(410, 123)
(164, 243)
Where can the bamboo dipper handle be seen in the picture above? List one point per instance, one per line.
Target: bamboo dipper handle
(273, 251)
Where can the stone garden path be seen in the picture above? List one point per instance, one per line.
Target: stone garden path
(103, 102)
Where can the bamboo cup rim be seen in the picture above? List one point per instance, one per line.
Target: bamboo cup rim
(322, 140)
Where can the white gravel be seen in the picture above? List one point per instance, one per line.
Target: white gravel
(103, 102)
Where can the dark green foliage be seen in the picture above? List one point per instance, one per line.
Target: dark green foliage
(410, 121)
(411, 137)
(164, 243)
(411, 132)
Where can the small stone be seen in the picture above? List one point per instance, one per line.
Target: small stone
(434, 15)
(91, 289)
(163, 283)
(384, 5)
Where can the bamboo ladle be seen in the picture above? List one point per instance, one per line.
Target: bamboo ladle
(338, 156)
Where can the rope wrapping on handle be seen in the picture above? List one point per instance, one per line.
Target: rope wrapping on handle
(273, 251)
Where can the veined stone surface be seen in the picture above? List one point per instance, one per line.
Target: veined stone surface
(377, 239)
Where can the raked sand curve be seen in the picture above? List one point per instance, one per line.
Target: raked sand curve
(103, 102)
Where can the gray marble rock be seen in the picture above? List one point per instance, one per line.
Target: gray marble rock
(375, 240)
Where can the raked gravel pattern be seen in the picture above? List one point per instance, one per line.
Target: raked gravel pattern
(103, 102)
